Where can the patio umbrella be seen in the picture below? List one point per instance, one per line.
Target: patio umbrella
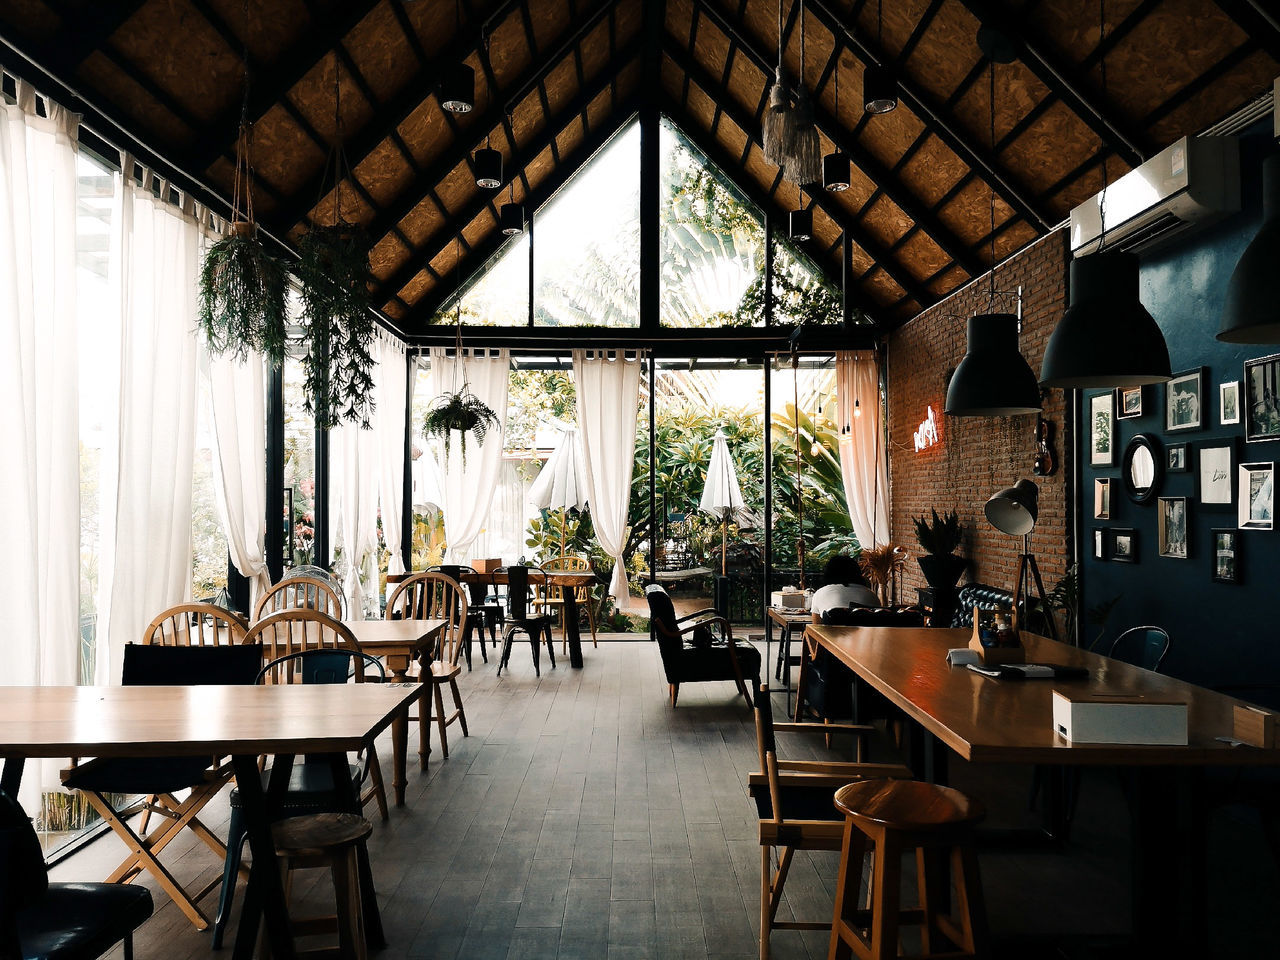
(562, 483)
(721, 497)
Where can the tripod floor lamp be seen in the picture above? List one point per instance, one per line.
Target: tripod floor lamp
(1014, 511)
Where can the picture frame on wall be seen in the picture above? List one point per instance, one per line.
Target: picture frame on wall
(1102, 448)
(1128, 402)
(1229, 402)
(1102, 498)
(1171, 528)
(1178, 456)
(1184, 401)
(1225, 555)
(1257, 498)
(1100, 540)
(1217, 473)
(1262, 398)
(1124, 545)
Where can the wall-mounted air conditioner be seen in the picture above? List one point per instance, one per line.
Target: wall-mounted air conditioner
(1189, 184)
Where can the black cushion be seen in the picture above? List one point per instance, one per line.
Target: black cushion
(980, 595)
(798, 803)
(138, 775)
(310, 783)
(713, 663)
(82, 921)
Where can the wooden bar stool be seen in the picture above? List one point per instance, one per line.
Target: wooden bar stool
(327, 840)
(890, 817)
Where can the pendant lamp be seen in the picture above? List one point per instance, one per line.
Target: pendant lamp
(1251, 313)
(835, 166)
(511, 218)
(993, 379)
(879, 92)
(779, 121)
(487, 164)
(1106, 337)
(458, 88)
(801, 224)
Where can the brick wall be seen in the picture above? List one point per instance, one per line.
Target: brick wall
(976, 456)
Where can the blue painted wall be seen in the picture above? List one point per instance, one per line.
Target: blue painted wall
(1221, 633)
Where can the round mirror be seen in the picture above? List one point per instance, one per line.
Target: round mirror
(1143, 468)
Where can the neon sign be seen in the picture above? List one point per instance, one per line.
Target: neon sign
(927, 434)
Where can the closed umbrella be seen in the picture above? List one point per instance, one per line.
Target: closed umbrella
(721, 497)
(562, 483)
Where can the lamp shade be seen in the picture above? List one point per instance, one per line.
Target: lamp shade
(993, 379)
(487, 164)
(511, 218)
(835, 172)
(801, 224)
(458, 88)
(1106, 337)
(879, 91)
(1251, 313)
(1014, 510)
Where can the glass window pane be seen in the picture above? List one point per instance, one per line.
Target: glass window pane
(299, 461)
(499, 294)
(586, 243)
(208, 540)
(801, 294)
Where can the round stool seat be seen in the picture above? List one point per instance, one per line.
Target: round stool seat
(907, 805)
(319, 834)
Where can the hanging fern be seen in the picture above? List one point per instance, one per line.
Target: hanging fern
(462, 411)
(242, 297)
(339, 324)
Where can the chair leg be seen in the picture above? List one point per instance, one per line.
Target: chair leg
(766, 897)
(675, 692)
(551, 649)
(441, 722)
(235, 848)
(591, 619)
(128, 945)
(534, 640)
(466, 643)
(505, 661)
(457, 702)
(379, 792)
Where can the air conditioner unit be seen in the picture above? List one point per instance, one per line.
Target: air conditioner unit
(1189, 184)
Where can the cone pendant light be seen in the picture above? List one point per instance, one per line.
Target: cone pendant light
(1251, 313)
(993, 379)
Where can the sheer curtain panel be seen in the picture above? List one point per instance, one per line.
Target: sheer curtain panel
(40, 483)
(146, 496)
(353, 469)
(392, 383)
(608, 404)
(862, 452)
(469, 487)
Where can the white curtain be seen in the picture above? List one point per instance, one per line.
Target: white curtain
(862, 454)
(237, 397)
(469, 487)
(353, 469)
(146, 496)
(608, 403)
(39, 485)
(391, 383)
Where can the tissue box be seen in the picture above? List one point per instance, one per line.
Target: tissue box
(486, 566)
(1084, 718)
(790, 600)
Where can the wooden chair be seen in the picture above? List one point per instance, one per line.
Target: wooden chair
(196, 625)
(691, 653)
(310, 593)
(433, 596)
(793, 799)
(571, 563)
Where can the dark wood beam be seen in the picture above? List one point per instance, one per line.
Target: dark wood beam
(1202, 82)
(86, 28)
(1260, 22)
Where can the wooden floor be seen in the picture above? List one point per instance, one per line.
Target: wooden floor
(584, 818)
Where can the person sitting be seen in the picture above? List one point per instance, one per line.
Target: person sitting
(843, 586)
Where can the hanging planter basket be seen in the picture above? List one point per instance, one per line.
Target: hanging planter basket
(242, 297)
(462, 411)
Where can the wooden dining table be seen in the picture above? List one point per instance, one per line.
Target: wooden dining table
(569, 582)
(243, 722)
(985, 720)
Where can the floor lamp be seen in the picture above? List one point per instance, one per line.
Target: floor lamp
(1014, 511)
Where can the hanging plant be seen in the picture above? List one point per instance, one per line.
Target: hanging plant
(242, 286)
(460, 410)
(337, 317)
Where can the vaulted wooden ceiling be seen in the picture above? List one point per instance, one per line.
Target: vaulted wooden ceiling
(556, 78)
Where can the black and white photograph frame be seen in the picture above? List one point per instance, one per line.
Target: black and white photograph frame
(1257, 499)
(1177, 458)
(1224, 558)
(1124, 545)
(1102, 498)
(1128, 402)
(1262, 398)
(1184, 401)
(1102, 447)
(1229, 402)
(1101, 542)
(1171, 528)
(1216, 468)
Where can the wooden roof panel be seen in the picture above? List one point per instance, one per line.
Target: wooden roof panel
(1056, 143)
(1253, 73)
(509, 53)
(561, 85)
(426, 131)
(679, 19)
(380, 50)
(924, 255)
(434, 24)
(932, 170)
(283, 154)
(30, 18)
(270, 31)
(384, 173)
(746, 80)
(422, 221)
(946, 52)
(886, 221)
(316, 94)
(387, 255)
(153, 119)
(570, 138)
(550, 19)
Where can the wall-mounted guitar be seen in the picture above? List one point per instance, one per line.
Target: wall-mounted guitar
(1046, 461)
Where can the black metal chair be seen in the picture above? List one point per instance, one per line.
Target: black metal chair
(520, 615)
(310, 787)
(162, 777)
(1141, 646)
(693, 653)
(58, 921)
(484, 609)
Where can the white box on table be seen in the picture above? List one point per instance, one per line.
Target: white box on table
(793, 600)
(1085, 718)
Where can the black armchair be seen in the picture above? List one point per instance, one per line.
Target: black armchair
(58, 921)
(692, 653)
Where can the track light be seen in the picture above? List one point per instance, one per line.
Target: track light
(458, 88)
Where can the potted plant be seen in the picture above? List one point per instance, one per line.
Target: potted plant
(939, 537)
(462, 411)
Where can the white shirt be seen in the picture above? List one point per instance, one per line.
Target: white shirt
(835, 595)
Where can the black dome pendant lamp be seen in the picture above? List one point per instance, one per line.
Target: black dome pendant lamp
(879, 89)
(835, 166)
(1251, 313)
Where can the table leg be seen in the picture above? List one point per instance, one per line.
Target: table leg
(348, 798)
(11, 778)
(264, 894)
(571, 626)
(399, 753)
(1169, 841)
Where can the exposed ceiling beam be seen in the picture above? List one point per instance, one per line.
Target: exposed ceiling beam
(737, 343)
(420, 314)
(458, 220)
(875, 171)
(1258, 20)
(89, 26)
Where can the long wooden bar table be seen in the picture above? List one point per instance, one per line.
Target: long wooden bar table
(241, 721)
(568, 581)
(1010, 721)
